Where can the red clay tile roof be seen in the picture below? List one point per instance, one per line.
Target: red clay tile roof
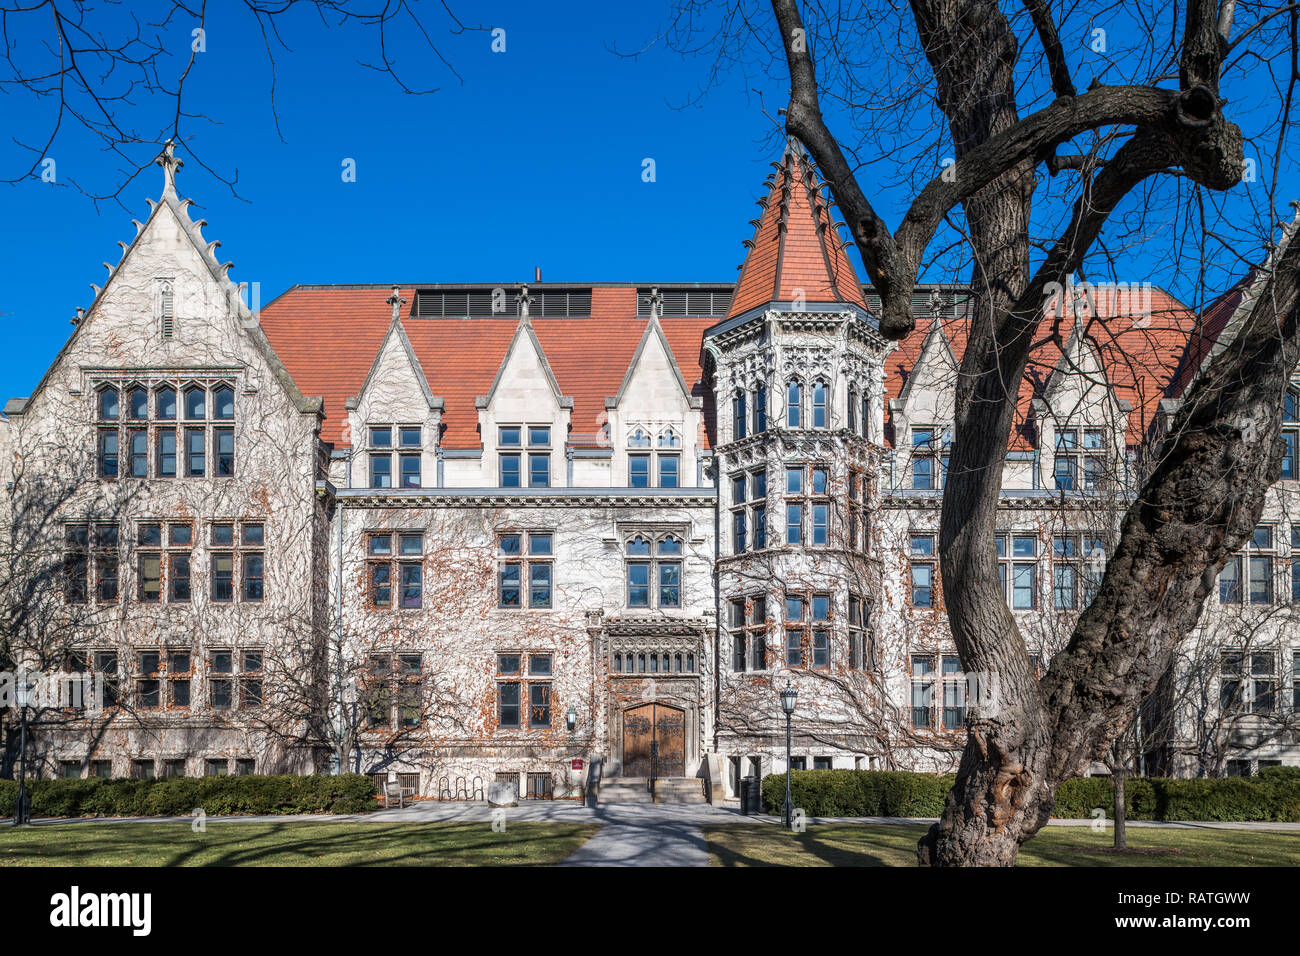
(796, 248)
(1141, 356)
(329, 337)
(1214, 319)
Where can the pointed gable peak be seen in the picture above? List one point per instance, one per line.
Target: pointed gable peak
(654, 332)
(796, 254)
(396, 336)
(525, 333)
(935, 360)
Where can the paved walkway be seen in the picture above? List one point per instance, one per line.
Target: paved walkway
(647, 836)
(568, 811)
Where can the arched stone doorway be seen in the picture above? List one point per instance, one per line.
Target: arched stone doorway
(654, 741)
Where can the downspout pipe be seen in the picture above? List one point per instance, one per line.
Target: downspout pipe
(340, 721)
(338, 631)
(717, 602)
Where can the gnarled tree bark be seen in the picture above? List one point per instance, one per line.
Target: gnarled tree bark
(1206, 488)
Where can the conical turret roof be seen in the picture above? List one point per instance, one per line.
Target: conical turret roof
(796, 252)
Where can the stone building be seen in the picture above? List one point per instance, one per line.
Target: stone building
(552, 532)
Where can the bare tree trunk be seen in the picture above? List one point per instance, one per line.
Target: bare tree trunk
(1200, 503)
(1118, 777)
(1208, 478)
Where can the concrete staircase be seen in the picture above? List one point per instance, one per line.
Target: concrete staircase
(637, 790)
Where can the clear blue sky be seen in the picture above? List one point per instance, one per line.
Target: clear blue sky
(534, 159)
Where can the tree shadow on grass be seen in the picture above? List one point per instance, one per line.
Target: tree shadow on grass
(296, 844)
(840, 846)
(1166, 848)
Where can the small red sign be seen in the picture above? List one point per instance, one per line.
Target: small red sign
(577, 765)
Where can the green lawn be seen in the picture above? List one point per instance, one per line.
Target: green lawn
(758, 844)
(290, 844)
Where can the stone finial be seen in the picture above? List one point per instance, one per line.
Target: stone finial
(170, 163)
(1079, 305)
(525, 299)
(656, 301)
(396, 301)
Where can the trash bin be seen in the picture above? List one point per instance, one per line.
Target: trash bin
(748, 795)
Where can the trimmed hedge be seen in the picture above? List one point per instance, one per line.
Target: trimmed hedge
(179, 796)
(1273, 796)
(859, 793)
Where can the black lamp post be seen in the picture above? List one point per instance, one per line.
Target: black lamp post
(788, 697)
(24, 690)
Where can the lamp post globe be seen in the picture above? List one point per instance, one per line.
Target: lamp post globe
(788, 697)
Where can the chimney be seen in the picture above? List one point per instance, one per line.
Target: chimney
(537, 273)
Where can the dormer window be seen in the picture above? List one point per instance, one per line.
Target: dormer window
(669, 463)
(660, 468)
(381, 462)
(928, 467)
(511, 455)
(408, 448)
(409, 442)
(1074, 463)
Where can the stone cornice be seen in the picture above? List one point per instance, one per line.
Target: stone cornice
(649, 626)
(702, 497)
(827, 440)
(1017, 499)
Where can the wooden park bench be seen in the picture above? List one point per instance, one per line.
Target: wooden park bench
(395, 791)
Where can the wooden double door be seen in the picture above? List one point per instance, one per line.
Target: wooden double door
(654, 741)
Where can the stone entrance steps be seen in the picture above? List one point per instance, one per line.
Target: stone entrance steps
(667, 790)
